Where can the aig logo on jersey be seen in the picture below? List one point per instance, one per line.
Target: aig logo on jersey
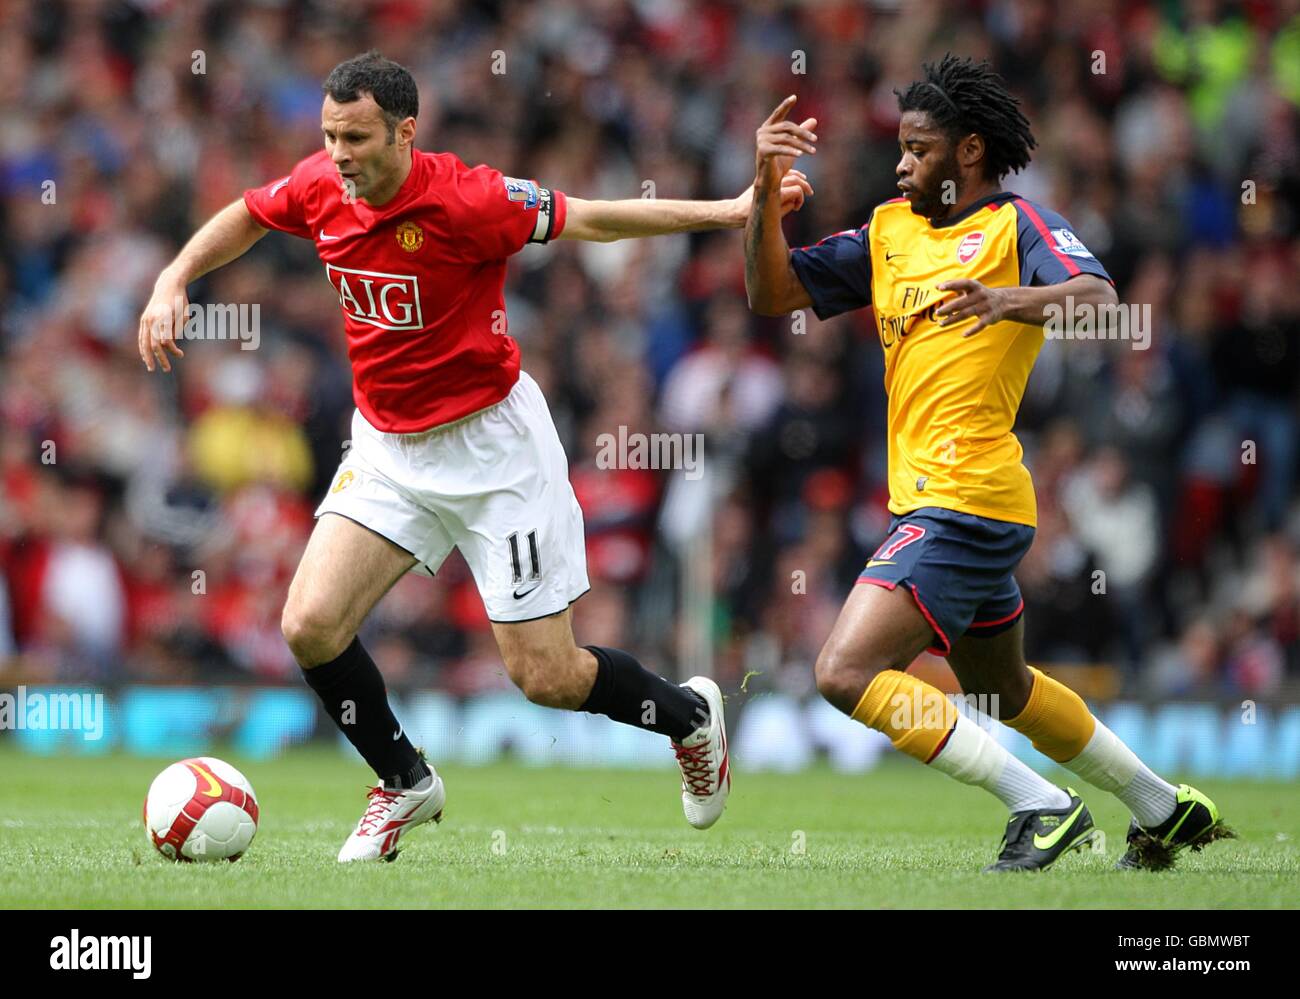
(1068, 243)
(389, 301)
(969, 246)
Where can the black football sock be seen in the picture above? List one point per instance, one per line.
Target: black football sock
(629, 693)
(352, 690)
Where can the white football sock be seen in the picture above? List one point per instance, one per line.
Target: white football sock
(972, 756)
(1110, 765)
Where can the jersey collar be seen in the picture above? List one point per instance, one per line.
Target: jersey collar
(997, 197)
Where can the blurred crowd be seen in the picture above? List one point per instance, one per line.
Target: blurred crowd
(149, 525)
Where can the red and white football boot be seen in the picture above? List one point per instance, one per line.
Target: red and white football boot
(389, 815)
(702, 757)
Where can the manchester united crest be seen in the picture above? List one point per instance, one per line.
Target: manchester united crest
(410, 237)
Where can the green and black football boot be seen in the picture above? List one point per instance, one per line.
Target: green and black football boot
(1195, 823)
(1035, 840)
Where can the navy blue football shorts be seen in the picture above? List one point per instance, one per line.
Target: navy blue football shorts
(958, 568)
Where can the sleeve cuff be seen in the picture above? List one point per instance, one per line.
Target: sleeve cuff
(560, 209)
(821, 311)
(254, 211)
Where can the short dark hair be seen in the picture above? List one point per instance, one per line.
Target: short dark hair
(388, 82)
(963, 96)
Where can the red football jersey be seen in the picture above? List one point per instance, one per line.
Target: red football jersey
(419, 279)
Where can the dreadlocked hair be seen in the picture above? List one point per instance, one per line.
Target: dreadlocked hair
(963, 96)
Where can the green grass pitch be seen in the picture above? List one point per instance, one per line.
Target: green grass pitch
(899, 837)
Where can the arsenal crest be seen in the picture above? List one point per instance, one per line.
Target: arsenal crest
(410, 237)
(969, 246)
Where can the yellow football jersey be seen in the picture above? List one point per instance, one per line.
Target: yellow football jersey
(952, 399)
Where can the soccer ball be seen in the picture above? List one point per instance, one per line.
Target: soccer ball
(200, 809)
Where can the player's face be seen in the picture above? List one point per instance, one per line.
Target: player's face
(928, 172)
(356, 139)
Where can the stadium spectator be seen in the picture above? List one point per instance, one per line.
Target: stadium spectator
(1170, 468)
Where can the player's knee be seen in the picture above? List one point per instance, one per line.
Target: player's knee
(1013, 691)
(547, 691)
(542, 678)
(842, 676)
(313, 638)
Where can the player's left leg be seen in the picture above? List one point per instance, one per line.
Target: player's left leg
(1166, 819)
(343, 573)
(546, 663)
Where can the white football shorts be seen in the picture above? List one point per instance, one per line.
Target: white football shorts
(494, 484)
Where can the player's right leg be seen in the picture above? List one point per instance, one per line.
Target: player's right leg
(861, 670)
(344, 571)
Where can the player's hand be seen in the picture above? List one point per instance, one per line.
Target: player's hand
(988, 305)
(157, 334)
(795, 187)
(779, 143)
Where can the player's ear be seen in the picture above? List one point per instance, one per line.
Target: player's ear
(970, 150)
(406, 131)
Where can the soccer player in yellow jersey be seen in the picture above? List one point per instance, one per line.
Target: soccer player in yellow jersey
(959, 273)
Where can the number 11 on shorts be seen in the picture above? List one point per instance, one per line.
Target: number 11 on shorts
(534, 559)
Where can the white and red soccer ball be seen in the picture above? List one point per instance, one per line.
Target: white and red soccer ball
(200, 809)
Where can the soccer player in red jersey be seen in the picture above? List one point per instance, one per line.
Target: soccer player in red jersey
(452, 444)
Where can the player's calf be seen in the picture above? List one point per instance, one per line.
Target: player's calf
(352, 691)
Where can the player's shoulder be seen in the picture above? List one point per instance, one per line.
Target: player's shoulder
(890, 214)
(307, 177)
(857, 232)
(440, 165)
(311, 169)
(455, 183)
(1043, 229)
(1036, 215)
(892, 206)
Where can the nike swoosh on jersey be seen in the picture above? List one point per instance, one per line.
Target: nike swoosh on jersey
(324, 236)
(1047, 842)
(878, 561)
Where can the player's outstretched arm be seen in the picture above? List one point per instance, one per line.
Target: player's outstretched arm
(1027, 305)
(225, 236)
(771, 284)
(606, 221)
